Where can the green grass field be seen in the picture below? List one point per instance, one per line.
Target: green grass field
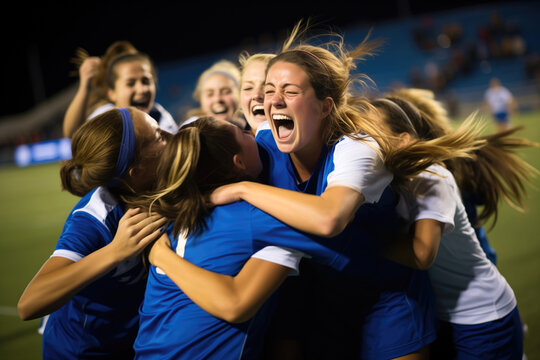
(33, 210)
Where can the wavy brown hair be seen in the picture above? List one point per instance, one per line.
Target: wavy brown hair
(98, 94)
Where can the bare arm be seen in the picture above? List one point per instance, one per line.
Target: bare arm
(59, 279)
(231, 298)
(76, 112)
(418, 250)
(325, 215)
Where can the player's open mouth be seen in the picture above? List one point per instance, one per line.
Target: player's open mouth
(141, 103)
(219, 109)
(284, 125)
(257, 110)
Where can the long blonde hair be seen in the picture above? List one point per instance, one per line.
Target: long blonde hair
(245, 59)
(494, 169)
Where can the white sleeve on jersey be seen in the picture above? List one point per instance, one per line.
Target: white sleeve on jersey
(435, 200)
(166, 121)
(68, 254)
(358, 166)
(283, 256)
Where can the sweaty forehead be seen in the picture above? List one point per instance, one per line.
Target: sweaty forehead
(143, 122)
(151, 121)
(286, 73)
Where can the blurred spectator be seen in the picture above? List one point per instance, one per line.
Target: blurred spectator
(471, 57)
(502, 39)
(424, 34)
(496, 38)
(512, 43)
(532, 67)
(434, 80)
(454, 33)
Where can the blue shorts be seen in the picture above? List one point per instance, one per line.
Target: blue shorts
(500, 339)
(501, 117)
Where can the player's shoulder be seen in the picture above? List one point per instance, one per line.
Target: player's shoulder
(98, 203)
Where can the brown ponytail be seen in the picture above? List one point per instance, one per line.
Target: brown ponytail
(95, 147)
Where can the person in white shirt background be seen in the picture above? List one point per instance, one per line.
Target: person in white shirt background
(500, 103)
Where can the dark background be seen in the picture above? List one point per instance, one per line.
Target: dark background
(40, 39)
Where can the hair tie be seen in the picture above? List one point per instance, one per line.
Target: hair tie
(127, 148)
(315, 57)
(404, 115)
(219, 72)
(76, 171)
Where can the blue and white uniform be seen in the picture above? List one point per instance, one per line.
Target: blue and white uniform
(100, 321)
(172, 326)
(374, 308)
(475, 303)
(159, 113)
(499, 100)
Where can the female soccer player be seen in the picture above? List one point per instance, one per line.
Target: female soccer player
(92, 90)
(217, 94)
(329, 162)
(252, 78)
(498, 154)
(476, 306)
(201, 301)
(93, 283)
(122, 77)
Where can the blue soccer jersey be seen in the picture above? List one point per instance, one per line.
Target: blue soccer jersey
(172, 326)
(100, 321)
(374, 308)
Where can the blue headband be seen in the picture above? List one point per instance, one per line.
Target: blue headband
(127, 147)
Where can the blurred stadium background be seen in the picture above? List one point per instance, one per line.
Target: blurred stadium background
(451, 48)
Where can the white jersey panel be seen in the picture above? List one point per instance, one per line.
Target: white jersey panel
(357, 165)
(469, 289)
